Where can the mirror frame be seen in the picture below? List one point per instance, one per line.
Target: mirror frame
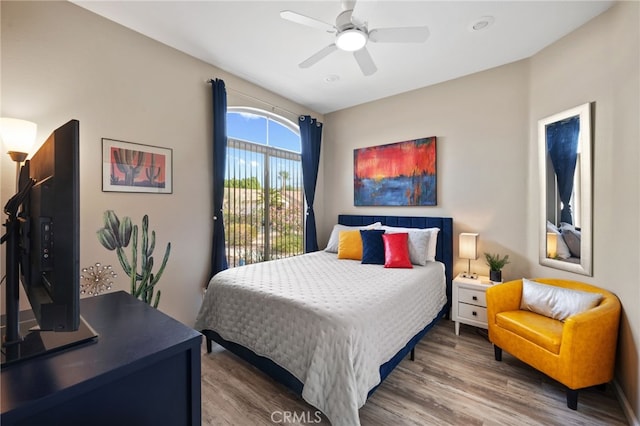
(585, 266)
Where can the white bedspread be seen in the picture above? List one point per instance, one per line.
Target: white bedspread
(331, 323)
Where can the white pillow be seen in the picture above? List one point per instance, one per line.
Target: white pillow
(556, 302)
(422, 243)
(334, 239)
(572, 237)
(562, 250)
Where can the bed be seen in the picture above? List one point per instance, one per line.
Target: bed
(331, 330)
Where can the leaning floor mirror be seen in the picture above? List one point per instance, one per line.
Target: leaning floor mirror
(565, 229)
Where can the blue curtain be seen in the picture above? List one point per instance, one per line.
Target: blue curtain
(218, 256)
(310, 137)
(562, 145)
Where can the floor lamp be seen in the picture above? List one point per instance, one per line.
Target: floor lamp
(18, 137)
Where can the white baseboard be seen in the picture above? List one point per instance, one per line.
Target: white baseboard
(626, 407)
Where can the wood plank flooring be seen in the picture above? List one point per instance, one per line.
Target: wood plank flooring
(454, 380)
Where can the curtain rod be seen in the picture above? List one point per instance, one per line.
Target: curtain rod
(273, 107)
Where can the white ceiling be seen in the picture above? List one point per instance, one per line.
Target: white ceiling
(251, 41)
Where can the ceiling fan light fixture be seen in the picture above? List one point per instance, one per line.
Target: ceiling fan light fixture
(351, 40)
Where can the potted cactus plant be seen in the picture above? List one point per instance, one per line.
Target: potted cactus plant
(116, 235)
(496, 263)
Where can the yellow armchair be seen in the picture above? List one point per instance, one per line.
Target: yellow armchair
(579, 352)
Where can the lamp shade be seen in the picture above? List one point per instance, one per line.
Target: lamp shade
(552, 245)
(468, 247)
(17, 135)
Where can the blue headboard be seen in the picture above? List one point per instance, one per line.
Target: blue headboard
(444, 250)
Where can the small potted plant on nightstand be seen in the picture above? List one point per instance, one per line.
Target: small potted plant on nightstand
(496, 263)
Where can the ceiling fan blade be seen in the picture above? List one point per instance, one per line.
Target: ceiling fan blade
(365, 61)
(348, 4)
(307, 21)
(357, 12)
(316, 57)
(399, 35)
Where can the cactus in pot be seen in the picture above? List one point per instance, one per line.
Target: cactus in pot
(116, 235)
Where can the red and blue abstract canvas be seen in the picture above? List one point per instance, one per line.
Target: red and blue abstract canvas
(397, 174)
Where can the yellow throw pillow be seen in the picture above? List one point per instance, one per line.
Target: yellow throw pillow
(350, 245)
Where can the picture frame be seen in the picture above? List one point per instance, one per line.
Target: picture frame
(396, 174)
(134, 167)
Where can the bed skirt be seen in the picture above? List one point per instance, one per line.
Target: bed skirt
(281, 375)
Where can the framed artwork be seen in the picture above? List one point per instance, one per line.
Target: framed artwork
(397, 174)
(132, 167)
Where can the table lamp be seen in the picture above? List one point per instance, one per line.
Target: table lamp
(552, 245)
(468, 249)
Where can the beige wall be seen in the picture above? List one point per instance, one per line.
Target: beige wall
(599, 63)
(480, 122)
(60, 62)
(486, 126)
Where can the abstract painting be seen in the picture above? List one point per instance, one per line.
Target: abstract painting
(397, 174)
(131, 167)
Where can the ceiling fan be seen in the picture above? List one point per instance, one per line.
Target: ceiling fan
(352, 35)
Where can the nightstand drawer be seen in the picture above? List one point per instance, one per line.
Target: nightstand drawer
(471, 312)
(474, 297)
(469, 304)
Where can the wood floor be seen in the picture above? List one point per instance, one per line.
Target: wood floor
(454, 380)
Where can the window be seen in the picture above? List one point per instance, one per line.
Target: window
(264, 197)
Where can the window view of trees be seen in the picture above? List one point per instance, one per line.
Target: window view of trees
(264, 199)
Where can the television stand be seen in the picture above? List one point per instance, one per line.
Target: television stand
(36, 342)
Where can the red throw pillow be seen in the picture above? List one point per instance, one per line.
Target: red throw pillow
(396, 251)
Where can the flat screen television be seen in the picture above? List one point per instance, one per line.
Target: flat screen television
(44, 251)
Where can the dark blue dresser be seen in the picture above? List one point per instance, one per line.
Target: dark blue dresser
(143, 369)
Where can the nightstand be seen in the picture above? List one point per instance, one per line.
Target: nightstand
(469, 304)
